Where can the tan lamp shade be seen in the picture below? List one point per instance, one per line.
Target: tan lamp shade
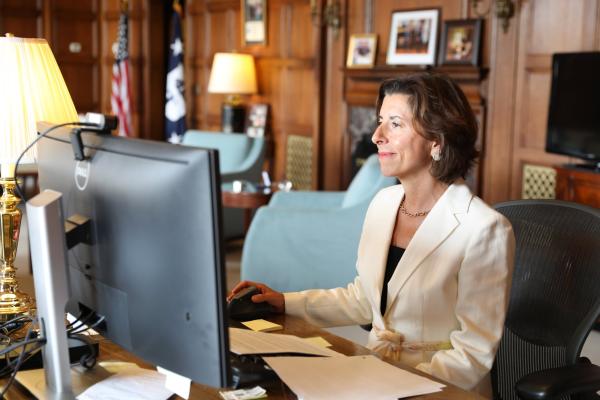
(232, 73)
(32, 90)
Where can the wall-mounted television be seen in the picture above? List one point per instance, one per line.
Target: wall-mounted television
(574, 113)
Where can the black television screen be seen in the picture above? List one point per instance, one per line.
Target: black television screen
(574, 113)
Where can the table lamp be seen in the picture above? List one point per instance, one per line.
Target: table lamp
(232, 74)
(32, 89)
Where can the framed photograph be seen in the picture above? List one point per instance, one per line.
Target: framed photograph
(460, 42)
(254, 22)
(257, 120)
(413, 37)
(362, 49)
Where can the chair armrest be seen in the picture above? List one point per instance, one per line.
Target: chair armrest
(251, 167)
(316, 200)
(557, 382)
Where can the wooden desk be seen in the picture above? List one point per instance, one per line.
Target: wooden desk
(578, 185)
(276, 389)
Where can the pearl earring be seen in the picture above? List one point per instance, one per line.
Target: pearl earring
(436, 156)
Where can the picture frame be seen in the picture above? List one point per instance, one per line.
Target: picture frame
(254, 22)
(257, 120)
(362, 49)
(413, 37)
(461, 42)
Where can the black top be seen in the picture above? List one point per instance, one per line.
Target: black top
(394, 256)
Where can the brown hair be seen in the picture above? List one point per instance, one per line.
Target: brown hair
(441, 113)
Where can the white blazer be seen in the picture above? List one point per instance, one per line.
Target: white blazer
(451, 284)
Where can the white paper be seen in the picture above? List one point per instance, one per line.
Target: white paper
(256, 392)
(132, 383)
(179, 384)
(357, 377)
(244, 341)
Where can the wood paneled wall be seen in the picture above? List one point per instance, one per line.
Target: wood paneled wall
(288, 70)
(520, 78)
(301, 69)
(374, 16)
(23, 18)
(147, 43)
(81, 34)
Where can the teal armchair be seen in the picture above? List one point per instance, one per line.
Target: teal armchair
(304, 240)
(240, 158)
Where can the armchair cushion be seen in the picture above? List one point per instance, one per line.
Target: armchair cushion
(362, 187)
(307, 199)
(305, 240)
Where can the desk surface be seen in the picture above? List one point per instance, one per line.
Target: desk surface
(275, 389)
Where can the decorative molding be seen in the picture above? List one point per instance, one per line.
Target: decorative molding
(369, 16)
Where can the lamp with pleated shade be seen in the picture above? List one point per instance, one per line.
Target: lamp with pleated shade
(32, 90)
(232, 74)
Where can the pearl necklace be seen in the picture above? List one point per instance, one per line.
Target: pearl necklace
(409, 214)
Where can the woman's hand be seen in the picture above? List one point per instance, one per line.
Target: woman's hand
(273, 297)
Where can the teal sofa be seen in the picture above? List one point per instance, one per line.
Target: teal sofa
(240, 158)
(304, 240)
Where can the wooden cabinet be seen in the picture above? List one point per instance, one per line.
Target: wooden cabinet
(578, 185)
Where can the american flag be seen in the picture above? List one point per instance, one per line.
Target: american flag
(120, 99)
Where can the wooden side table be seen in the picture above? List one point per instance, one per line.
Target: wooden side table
(578, 185)
(249, 199)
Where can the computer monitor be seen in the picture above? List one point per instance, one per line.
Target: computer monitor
(155, 265)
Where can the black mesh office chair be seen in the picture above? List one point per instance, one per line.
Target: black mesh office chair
(554, 302)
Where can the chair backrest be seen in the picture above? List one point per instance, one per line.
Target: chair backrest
(234, 149)
(555, 295)
(366, 183)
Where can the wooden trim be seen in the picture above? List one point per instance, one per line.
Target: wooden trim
(458, 73)
(500, 117)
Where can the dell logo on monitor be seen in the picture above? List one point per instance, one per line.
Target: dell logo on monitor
(82, 174)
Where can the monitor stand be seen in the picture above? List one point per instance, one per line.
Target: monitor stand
(81, 378)
(48, 256)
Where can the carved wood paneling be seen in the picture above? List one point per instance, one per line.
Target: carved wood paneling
(361, 86)
(287, 70)
(23, 18)
(74, 41)
(147, 62)
(545, 27)
(521, 72)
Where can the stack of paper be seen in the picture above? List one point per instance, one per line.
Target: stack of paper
(358, 377)
(243, 341)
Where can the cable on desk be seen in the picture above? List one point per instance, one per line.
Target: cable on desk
(25, 353)
(87, 360)
(85, 328)
(82, 322)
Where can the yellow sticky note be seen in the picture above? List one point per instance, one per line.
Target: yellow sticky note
(318, 341)
(260, 325)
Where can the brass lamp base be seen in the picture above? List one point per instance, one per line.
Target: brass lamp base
(13, 305)
(13, 302)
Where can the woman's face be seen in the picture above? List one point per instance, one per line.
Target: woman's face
(402, 151)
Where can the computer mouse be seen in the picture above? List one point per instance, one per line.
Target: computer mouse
(242, 308)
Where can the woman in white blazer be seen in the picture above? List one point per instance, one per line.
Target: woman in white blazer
(434, 261)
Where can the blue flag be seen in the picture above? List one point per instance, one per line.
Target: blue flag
(175, 102)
